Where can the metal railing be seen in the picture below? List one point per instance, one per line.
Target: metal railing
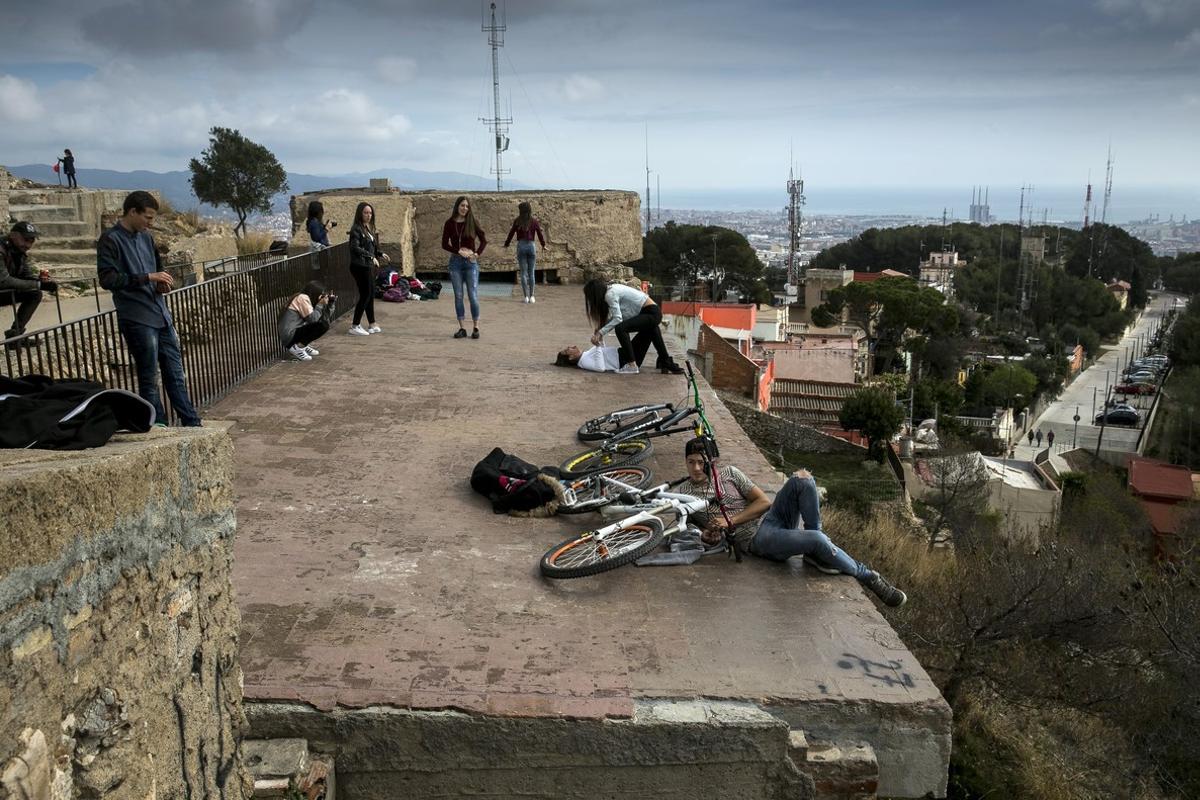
(227, 326)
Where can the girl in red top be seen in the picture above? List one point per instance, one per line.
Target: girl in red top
(524, 227)
(464, 240)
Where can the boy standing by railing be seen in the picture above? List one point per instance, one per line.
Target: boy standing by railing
(129, 267)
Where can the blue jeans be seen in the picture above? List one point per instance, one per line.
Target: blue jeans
(465, 271)
(526, 265)
(156, 349)
(780, 536)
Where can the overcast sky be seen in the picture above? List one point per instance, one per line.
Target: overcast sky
(875, 93)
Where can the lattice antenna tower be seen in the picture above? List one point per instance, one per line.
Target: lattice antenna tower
(1108, 175)
(795, 212)
(499, 124)
(1027, 270)
(1087, 211)
(648, 206)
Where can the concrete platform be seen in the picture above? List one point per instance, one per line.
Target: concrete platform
(370, 576)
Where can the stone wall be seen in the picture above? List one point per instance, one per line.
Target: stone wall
(118, 629)
(586, 231)
(4, 182)
(769, 431)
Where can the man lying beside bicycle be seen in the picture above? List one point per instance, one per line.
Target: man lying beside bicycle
(777, 530)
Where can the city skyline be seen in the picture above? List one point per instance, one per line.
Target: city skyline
(930, 95)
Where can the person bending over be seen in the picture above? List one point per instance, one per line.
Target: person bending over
(304, 320)
(623, 310)
(776, 530)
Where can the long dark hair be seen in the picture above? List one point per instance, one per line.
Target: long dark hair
(594, 302)
(314, 290)
(524, 217)
(358, 216)
(317, 211)
(470, 226)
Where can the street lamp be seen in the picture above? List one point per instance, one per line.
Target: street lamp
(1075, 435)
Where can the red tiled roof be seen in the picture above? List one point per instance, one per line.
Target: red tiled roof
(1164, 516)
(1149, 477)
(867, 277)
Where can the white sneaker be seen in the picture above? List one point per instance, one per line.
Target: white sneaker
(532, 299)
(358, 330)
(374, 329)
(525, 301)
(312, 351)
(299, 353)
(628, 369)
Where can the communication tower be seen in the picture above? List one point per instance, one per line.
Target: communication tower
(497, 123)
(795, 212)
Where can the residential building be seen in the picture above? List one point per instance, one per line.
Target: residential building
(1120, 292)
(1162, 488)
(937, 272)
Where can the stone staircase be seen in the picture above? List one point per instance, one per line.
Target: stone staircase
(69, 223)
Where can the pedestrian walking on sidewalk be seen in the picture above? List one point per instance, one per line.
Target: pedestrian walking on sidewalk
(1050, 438)
(1039, 437)
(1031, 437)
(129, 266)
(365, 256)
(464, 240)
(524, 227)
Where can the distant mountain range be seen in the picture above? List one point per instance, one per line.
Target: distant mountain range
(175, 186)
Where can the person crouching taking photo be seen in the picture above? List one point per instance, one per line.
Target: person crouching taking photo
(304, 320)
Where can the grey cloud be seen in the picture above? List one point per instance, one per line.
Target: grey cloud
(182, 26)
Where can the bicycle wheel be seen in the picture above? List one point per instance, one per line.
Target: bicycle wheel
(591, 493)
(613, 423)
(633, 451)
(588, 554)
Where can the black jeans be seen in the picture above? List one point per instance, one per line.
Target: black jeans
(71, 184)
(308, 333)
(646, 327)
(26, 303)
(366, 294)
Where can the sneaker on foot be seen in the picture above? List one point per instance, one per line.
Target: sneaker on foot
(532, 299)
(299, 353)
(628, 369)
(890, 595)
(817, 565)
(475, 333)
(312, 351)
(462, 333)
(358, 330)
(374, 329)
(526, 301)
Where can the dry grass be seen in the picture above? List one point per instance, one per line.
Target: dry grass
(254, 242)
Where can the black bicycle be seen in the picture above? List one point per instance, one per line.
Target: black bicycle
(624, 435)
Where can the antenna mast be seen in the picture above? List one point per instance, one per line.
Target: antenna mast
(1087, 210)
(649, 206)
(795, 209)
(498, 124)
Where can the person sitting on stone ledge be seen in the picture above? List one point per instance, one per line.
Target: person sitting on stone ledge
(790, 525)
(304, 320)
(19, 285)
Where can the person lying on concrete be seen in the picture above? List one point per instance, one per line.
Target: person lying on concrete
(790, 525)
(621, 310)
(304, 320)
(19, 285)
(599, 358)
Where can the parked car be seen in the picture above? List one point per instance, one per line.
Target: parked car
(1141, 375)
(1119, 416)
(1135, 388)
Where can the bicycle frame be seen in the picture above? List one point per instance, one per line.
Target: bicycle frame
(681, 504)
(570, 499)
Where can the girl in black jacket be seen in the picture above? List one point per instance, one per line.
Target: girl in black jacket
(365, 255)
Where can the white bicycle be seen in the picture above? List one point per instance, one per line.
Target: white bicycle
(640, 529)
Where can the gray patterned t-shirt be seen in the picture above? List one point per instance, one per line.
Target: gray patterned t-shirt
(735, 489)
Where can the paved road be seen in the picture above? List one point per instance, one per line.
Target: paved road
(1086, 393)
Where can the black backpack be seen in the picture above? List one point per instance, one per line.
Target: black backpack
(514, 486)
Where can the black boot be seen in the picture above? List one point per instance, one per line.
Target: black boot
(668, 366)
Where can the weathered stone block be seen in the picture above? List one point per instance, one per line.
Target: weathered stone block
(118, 627)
